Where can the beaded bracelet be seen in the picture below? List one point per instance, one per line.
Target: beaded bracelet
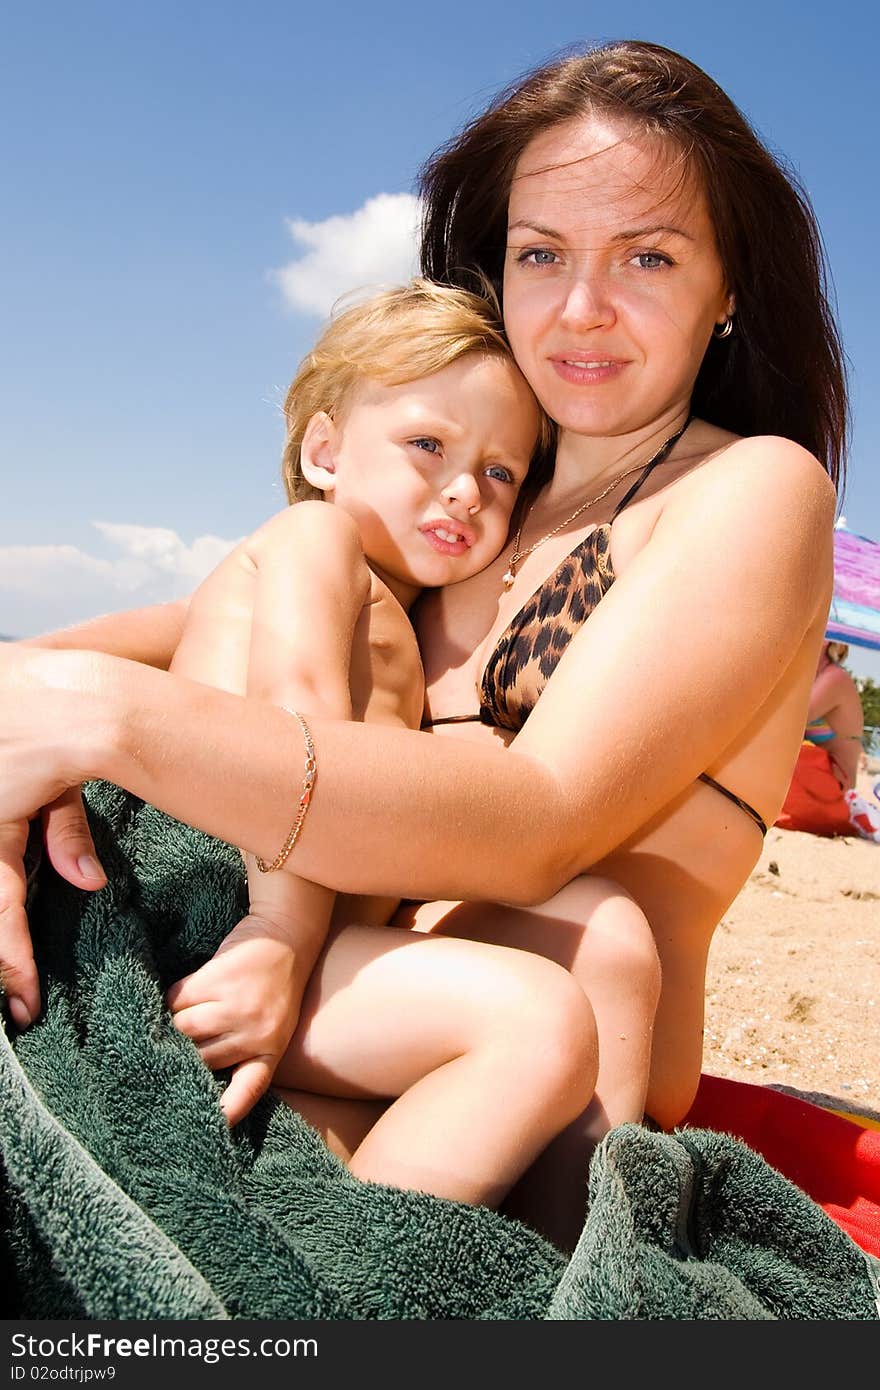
(311, 769)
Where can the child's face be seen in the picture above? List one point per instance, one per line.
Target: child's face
(430, 469)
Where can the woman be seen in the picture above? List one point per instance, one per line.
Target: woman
(835, 720)
(822, 798)
(663, 295)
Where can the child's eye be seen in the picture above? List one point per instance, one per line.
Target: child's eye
(430, 446)
(500, 473)
(651, 260)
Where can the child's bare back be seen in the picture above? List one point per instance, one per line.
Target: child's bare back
(385, 678)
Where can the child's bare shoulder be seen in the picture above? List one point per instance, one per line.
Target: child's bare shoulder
(320, 533)
(314, 539)
(317, 523)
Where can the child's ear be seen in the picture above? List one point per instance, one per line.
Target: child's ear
(317, 455)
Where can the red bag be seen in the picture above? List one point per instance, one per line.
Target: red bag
(814, 801)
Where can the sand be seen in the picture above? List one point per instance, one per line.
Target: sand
(793, 986)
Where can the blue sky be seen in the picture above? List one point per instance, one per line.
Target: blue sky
(187, 182)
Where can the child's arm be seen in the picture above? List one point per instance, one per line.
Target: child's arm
(312, 584)
(242, 1006)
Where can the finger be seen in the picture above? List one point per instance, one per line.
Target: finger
(206, 986)
(18, 972)
(220, 1053)
(69, 842)
(190, 990)
(202, 1021)
(173, 994)
(249, 1081)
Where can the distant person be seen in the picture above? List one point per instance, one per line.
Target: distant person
(822, 798)
(835, 719)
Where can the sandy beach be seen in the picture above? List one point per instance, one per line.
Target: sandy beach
(793, 987)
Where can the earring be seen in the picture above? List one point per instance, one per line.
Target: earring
(724, 329)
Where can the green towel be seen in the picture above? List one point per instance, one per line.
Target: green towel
(124, 1195)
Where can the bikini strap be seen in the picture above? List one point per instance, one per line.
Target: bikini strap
(737, 800)
(661, 455)
(451, 719)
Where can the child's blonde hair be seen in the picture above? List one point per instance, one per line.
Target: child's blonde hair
(400, 335)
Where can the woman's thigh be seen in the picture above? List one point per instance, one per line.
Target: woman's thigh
(385, 1007)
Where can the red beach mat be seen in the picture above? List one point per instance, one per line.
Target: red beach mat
(834, 1158)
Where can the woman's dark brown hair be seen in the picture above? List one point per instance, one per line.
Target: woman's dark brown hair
(782, 369)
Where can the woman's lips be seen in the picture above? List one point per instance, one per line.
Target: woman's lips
(583, 370)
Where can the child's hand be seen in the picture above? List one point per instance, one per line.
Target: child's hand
(241, 1009)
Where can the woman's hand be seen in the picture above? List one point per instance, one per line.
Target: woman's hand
(18, 973)
(43, 738)
(46, 726)
(71, 851)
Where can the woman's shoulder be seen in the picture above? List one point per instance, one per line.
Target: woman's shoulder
(752, 510)
(771, 468)
(837, 682)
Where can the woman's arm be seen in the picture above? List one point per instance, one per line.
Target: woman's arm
(149, 635)
(620, 730)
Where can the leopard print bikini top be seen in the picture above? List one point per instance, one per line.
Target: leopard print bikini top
(528, 650)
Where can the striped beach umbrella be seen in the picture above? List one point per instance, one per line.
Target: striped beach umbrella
(855, 605)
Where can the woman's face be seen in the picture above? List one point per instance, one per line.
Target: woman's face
(612, 277)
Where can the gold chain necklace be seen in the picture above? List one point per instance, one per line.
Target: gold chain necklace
(510, 573)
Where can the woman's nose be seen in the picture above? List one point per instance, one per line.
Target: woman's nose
(463, 491)
(587, 304)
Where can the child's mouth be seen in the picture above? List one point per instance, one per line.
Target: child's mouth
(448, 539)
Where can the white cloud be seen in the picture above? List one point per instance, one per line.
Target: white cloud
(48, 586)
(156, 550)
(352, 253)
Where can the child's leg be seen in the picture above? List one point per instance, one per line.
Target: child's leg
(597, 932)
(600, 935)
(490, 1053)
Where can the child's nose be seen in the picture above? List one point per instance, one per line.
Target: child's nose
(464, 492)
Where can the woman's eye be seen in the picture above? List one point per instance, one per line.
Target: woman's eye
(430, 446)
(651, 260)
(536, 256)
(499, 473)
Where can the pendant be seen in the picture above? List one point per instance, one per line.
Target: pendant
(507, 579)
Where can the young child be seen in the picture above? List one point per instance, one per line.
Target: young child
(412, 421)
